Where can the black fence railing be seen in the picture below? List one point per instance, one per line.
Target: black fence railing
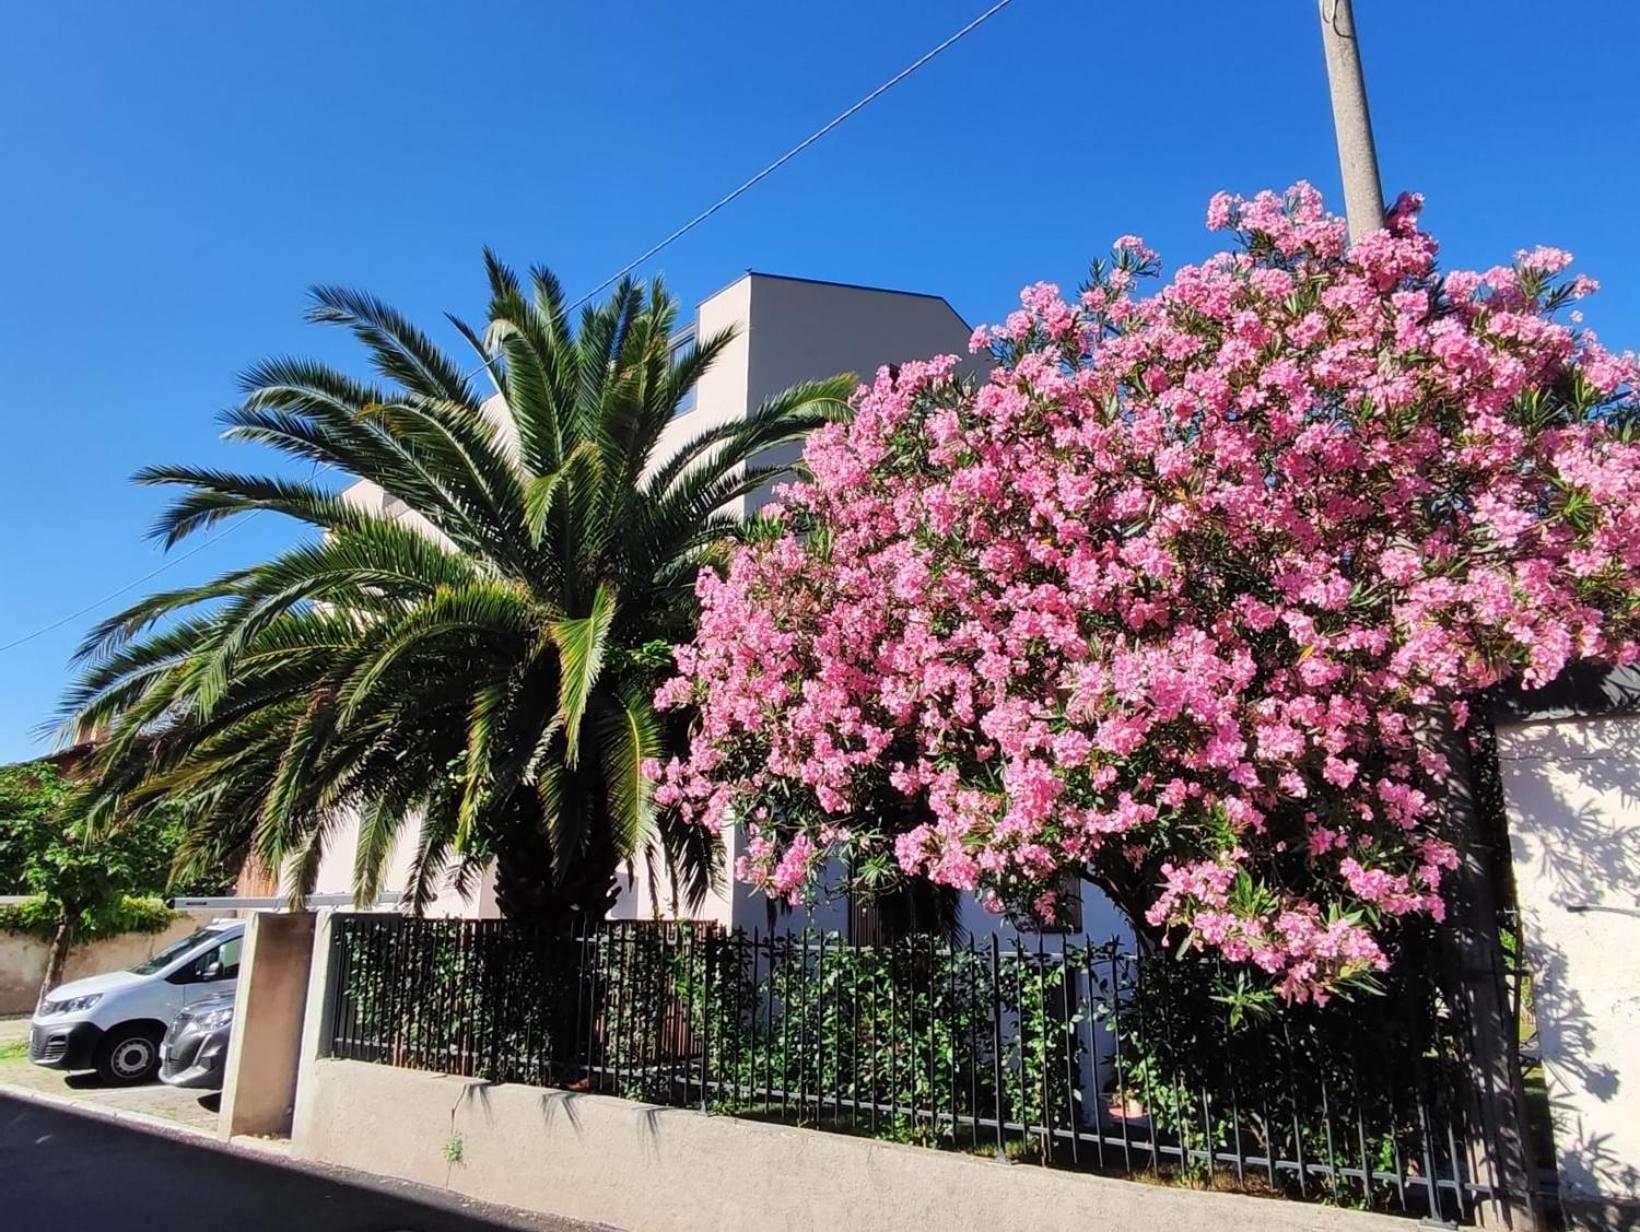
(1068, 1054)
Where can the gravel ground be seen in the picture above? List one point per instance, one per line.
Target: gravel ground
(193, 1109)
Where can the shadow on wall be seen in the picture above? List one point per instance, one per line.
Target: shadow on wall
(1572, 787)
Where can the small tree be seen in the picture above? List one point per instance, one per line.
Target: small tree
(31, 797)
(83, 889)
(1163, 602)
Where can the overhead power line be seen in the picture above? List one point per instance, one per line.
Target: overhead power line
(626, 269)
(134, 582)
(797, 149)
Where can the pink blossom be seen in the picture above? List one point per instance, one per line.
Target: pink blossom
(1156, 602)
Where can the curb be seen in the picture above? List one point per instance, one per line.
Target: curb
(143, 1120)
(276, 1152)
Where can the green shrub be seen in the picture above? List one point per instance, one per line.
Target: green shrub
(40, 917)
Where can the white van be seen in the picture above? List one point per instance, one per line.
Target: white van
(114, 1023)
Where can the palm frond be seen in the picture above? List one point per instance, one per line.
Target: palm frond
(628, 735)
(402, 352)
(581, 641)
(438, 658)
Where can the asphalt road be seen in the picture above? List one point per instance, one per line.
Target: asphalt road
(67, 1172)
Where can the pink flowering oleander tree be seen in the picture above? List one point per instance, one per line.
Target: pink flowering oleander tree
(1161, 602)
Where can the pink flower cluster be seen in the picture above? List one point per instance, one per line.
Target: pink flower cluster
(1160, 601)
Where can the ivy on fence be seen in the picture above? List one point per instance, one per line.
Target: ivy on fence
(1077, 1055)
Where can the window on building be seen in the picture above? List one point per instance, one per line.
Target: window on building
(909, 909)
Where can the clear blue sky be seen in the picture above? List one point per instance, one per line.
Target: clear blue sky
(177, 176)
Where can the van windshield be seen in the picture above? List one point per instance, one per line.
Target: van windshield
(172, 952)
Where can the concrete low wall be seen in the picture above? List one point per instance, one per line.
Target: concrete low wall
(651, 1169)
(23, 958)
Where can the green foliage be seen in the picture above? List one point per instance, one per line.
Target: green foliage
(37, 917)
(1318, 1083)
(922, 1042)
(32, 797)
(908, 1029)
(440, 995)
(101, 887)
(41, 916)
(471, 655)
(898, 1027)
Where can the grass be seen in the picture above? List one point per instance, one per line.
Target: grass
(14, 1050)
(1539, 1121)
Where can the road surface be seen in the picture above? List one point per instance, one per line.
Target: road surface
(68, 1172)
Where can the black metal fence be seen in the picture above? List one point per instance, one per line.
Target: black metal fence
(1069, 1054)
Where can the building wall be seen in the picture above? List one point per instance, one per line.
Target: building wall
(1573, 793)
(721, 395)
(23, 958)
(803, 330)
(791, 330)
(335, 875)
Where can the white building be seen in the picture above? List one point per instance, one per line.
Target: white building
(788, 330)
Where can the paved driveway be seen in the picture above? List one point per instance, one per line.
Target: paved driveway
(194, 1109)
(70, 1171)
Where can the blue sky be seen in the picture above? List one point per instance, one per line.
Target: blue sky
(176, 178)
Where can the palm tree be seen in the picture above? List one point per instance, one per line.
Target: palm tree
(472, 656)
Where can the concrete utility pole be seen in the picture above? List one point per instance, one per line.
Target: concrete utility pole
(1472, 942)
(1352, 123)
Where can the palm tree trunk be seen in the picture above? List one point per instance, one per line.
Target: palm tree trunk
(523, 874)
(528, 891)
(590, 893)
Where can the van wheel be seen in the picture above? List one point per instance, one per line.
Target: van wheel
(128, 1055)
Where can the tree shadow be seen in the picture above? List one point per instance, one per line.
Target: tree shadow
(1571, 788)
(566, 1102)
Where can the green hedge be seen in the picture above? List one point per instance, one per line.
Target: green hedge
(40, 918)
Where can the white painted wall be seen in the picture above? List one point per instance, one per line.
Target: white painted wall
(335, 875)
(721, 395)
(1573, 794)
(631, 1165)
